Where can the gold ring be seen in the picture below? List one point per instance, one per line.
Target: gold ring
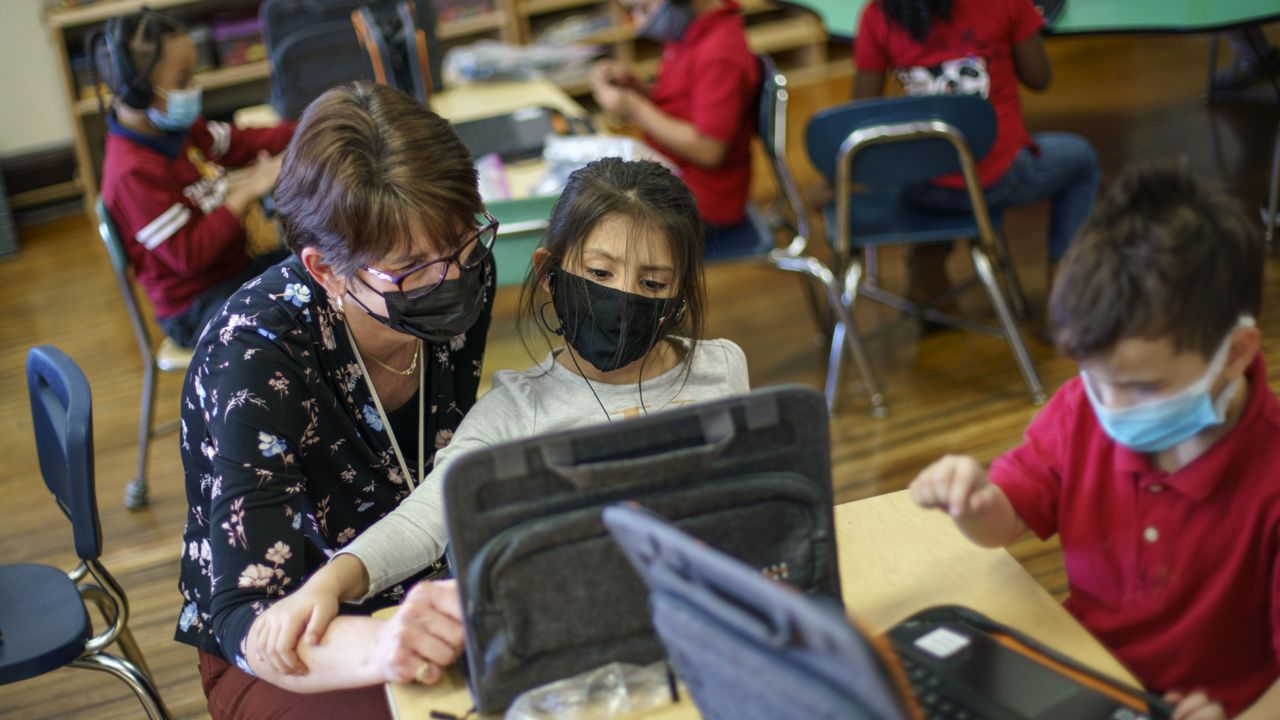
(421, 675)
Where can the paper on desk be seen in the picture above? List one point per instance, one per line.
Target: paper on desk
(566, 153)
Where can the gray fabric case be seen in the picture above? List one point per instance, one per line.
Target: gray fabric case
(546, 592)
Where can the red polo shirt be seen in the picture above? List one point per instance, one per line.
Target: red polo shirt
(710, 78)
(971, 54)
(1177, 574)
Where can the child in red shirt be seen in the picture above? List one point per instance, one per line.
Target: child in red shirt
(984, 48)
(163, 179)
(699, 111)
(1158, 467)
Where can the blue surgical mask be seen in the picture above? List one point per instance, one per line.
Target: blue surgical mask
(1158, 425)
(668, 23)
(183, 107)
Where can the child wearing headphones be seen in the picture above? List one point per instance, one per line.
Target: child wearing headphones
(620, 280)
(164, 180)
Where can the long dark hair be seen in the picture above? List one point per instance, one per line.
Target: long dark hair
(653, 201)
(916, 16)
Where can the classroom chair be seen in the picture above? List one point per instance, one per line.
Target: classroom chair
(169, 357)
(786, 217)
(869, 150)
(42, 609)
(1273, 191)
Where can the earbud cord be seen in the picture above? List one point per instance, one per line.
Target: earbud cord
(542, 316)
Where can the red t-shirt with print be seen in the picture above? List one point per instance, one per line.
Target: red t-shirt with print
(969, 54)
(710, 78)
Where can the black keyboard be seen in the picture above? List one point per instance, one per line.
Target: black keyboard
(931, 693)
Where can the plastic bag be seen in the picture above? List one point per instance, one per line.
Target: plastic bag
(566, 153)
(492, 60)
(612, 691)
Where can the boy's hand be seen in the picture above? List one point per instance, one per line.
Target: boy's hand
(245, 186)
(1196, 706)
(956, 484)
(424, 635)
(607, 95)
(275, 634)
(959, 486)
(612, 72)
(261, 178)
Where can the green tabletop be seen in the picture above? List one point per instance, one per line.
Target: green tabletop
(840, 17)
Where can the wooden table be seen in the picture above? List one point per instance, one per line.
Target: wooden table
(895, 559)
(840, 17)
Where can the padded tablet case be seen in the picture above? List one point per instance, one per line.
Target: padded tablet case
(547, 594)
(749, 648)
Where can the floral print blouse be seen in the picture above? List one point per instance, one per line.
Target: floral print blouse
(285, 456)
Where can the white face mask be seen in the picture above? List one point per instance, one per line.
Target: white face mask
(1160, 424)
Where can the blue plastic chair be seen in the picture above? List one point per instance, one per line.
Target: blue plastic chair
(169, 357)
(42, 609)
(785, 218)
(1273, 192)
(870, 150)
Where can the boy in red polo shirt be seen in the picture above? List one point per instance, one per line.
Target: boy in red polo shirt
(1159, 466)
(700, 109)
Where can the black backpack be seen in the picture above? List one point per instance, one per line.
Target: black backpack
(315, 44)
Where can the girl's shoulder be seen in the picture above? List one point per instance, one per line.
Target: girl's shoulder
(720, 362)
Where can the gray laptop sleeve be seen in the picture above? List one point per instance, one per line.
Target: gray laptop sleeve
(546, 592)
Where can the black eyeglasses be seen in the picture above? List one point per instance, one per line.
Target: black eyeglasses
(422, 279)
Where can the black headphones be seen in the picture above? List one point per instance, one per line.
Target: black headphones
(131, 85)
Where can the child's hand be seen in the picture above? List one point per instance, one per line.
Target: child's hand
(1196, 706)
(612, 72)
(275, 634)
(261, 178)
(956, 484)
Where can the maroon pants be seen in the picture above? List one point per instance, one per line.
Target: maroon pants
(236, 695)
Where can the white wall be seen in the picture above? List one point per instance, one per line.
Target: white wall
(33, 112)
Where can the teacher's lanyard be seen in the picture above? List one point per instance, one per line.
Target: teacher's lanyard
(382, 414)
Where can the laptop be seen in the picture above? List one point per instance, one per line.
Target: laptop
(514, 136)
(748, 647)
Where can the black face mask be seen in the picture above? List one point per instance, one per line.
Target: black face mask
(440, 315)
(609, 328)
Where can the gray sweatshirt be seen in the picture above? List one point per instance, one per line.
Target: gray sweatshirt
(543, 399)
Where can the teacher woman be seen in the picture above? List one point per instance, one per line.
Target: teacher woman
(317, 397)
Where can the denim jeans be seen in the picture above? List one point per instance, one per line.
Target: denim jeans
(1065, 172)
(726, 242)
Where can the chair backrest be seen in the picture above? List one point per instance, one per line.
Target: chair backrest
(62, 413)
(120, 266)
(771, 126)
(898, 153)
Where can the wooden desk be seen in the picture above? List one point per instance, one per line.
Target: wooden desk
(895, 559)
(840, 17)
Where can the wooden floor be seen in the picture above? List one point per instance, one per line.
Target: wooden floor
(1134, 98)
